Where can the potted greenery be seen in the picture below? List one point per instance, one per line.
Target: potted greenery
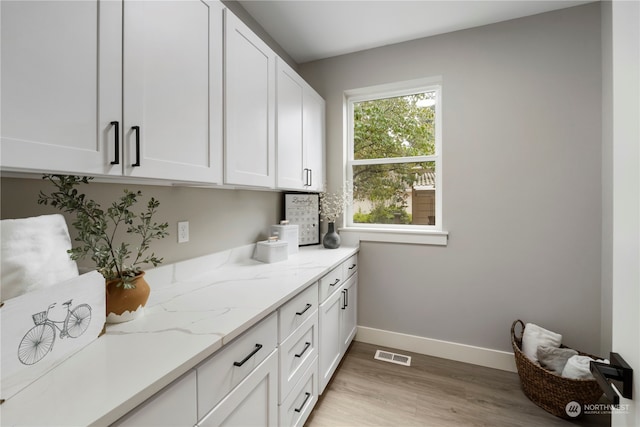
(98, 229)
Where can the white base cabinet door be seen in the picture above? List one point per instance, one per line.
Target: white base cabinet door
(348, 316)
(61, 86)
(254, 402)
(330, 342)
(175, 405)
(337, 317)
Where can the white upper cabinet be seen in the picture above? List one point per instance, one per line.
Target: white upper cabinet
(249, 107)
(313, 137)
(300, 133)
(173, 90)
(61, 87)
(290, 89)
(67, 70)
(135, 88)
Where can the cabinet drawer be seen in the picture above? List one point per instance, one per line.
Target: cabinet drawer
(296, 353)
(349, 267)
(219, 374)
(296, 408)
(297, 310)
(330, 283)
(252, 403)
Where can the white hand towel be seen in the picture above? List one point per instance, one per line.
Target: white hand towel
(34, 254)
(554, 358)
(577, 368)
(534, 336)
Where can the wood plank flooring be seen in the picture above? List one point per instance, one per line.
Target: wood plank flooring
(431, 392)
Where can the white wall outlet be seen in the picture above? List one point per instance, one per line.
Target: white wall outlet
(183, 231)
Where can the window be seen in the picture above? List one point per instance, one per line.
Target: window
(394, 164)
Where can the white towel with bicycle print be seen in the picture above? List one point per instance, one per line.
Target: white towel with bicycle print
(41, 329)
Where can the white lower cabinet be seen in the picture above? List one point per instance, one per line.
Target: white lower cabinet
(175, 405)
(226, 369)
(254, 402)
(298, 353)
(349, 312)
(337, 318)
(297, 407)
(273, 373)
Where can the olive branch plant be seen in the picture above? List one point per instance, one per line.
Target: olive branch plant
(97, 228)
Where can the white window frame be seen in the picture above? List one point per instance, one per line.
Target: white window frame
(395, 233)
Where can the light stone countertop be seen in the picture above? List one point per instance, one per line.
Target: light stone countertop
(196, 307)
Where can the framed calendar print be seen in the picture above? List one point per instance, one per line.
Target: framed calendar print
(303, 209)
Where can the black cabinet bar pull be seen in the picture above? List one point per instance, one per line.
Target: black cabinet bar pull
(300, 313)
(136, 129)
(334, 283)
(310, 177)
(306, 177)
(352, 267)
(116, 125)
(243, 361)
(344, 299)
(306, 347)
(308, 395)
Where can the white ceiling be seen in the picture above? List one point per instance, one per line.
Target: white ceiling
(315, 29)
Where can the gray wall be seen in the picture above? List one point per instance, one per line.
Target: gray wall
(521, 183)
(218, 219)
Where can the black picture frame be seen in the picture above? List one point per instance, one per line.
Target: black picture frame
(303, 209)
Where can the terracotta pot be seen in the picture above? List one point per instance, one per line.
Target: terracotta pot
(126, 304)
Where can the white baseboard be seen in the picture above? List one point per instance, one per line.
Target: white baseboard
(431, 347)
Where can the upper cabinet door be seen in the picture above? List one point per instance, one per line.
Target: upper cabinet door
(173, 90)
(290, 164)
(313, 135)
(249, 107)
(299, 132)
(61, 87)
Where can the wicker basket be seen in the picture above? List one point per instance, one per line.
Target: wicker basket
(547, 389)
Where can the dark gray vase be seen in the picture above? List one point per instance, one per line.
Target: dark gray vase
(331, 240)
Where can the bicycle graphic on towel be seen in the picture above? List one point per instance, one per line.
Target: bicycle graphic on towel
(39, 340)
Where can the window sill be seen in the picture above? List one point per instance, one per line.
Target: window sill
(354, 235)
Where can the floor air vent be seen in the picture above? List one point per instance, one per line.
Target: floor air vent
(387, 356)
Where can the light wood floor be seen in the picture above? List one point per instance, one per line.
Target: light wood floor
(431, 392)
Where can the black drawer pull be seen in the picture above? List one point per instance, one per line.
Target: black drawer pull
(136, 129)
(243, 361)
(306, 347)
(308, 395)
(334, 283)
(116, 155)
(352, 267)
(307, 307)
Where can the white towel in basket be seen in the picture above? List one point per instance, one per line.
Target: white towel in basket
(577, 368)
(34, 254)
(534, 336)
